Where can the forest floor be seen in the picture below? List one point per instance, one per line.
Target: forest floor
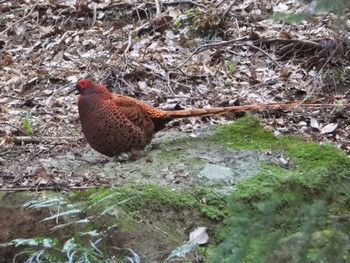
(193, 54)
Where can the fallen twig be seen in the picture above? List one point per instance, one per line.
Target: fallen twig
(158, 8)
(31, 139)
(14, 126)
(206, 46)
(46, 188)
(228, 10)
(329, 59)
(183, 2)
(24, 140)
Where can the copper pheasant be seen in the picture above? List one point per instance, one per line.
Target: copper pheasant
(113, 123)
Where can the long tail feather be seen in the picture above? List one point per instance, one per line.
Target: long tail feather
(224, 110)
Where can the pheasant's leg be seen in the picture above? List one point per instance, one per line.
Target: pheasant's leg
(135, 154)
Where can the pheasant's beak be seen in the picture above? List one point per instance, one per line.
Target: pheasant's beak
(73, 89)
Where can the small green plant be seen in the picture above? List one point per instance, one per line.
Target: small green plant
(177, 23)
(231, 67)
(341, 75)
(204, 24)
(188, 12)
(26, 124)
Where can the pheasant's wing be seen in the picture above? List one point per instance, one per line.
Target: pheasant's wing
(136, 114)
(154, 113)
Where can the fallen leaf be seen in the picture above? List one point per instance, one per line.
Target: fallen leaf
(45, 29)
(314, 123)
(199, 235)
(329, 128)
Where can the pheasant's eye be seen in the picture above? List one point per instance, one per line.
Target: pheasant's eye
(84, 83)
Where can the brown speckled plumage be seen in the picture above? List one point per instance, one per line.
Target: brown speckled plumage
(113, 124)
(110, 123)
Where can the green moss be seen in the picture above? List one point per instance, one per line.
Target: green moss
(196, 161)
(208, 204)
(151, 194)
(279, 202)
(208, 251)
(247, 133)
(175, 141)
(316, 168)
(171, 154)
(133, 198)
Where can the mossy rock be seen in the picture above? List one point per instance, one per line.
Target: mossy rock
(276, 202)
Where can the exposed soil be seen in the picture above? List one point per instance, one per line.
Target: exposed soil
(17, 222)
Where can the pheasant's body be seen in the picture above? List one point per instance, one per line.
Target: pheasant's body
(113, 124)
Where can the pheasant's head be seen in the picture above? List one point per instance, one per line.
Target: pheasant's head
(86, 87)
